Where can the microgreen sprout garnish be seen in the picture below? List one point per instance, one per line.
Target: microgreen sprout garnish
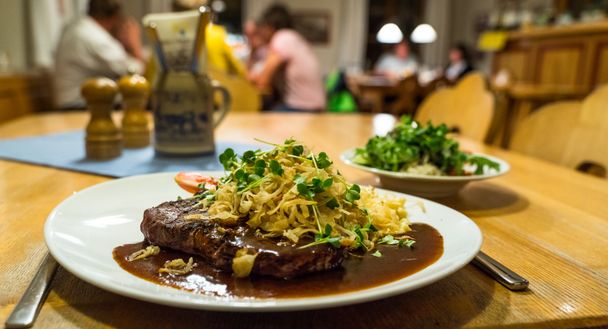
(352, 194)
(362, 234)
(305, 191)
(248, 156)
(320, 185)
(315, 212)
(323, 161)
(332, 203)
(228, 158)
(388, 239)
(407, 242)
(275, 167)
(324, 237)
(294, 194)
(297, 150)
(391, 240)
(260, 167)
(316, 185)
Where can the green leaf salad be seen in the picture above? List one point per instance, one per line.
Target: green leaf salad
(421, 149)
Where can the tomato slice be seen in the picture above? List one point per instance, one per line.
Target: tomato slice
(190, 181)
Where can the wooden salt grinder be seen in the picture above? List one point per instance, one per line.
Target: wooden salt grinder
(135, 90)
(103, 140)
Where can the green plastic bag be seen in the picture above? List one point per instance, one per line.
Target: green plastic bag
(339, 98)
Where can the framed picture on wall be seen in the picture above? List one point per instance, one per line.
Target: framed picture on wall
(314, 25)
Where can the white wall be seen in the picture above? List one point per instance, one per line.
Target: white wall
(464, 16)
(438, 14)
(454, 21)
(13, 32)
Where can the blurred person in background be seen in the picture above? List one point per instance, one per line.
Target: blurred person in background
(460, 63)
(102, 43)
(258, 48)
(219, 54)
(291, 58)
(399, 62)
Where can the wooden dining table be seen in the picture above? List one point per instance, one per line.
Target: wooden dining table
(373, 90)
(548, 223)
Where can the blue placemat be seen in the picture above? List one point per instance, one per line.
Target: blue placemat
(66, 151)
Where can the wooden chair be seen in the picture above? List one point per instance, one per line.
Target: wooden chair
(244, 96)
(467, 108)
(573, 133)
(433, 85)
(23, 94)
(406, 92)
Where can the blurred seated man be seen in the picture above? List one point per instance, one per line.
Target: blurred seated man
(103, 43)
(460, 63)
(289, 56)
(398, 63)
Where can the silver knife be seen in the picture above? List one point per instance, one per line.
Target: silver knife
(25, 312)
(499, 272)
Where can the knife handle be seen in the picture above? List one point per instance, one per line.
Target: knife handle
(499, 272)
(25, 312)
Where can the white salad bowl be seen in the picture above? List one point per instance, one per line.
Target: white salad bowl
(425, 185)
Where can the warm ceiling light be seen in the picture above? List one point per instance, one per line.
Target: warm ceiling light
(218, 6)
(389, 33)
(424, 33)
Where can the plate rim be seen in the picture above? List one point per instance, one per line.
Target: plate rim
(505, 167)
(260, 305)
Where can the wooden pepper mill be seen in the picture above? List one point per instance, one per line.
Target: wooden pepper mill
(135, 90)
(103, 140)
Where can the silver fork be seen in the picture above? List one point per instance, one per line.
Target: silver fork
(25, 312)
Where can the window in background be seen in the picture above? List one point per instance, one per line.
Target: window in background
(229, 14)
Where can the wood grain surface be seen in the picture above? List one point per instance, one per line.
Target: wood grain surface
(546, 222)
(467, 107)
(570, 133)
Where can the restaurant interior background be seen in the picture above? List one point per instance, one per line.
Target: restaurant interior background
(529, 52)
(517, 91)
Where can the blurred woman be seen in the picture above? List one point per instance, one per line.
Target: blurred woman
(290, 56)
(258, 48)
(460, 63)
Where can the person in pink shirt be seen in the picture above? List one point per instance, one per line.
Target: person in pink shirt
(291, 59)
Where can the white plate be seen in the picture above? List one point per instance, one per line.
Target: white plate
(82, 231)
(425, 185)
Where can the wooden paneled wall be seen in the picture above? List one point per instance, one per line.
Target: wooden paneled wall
(574, 55)
(21, 94)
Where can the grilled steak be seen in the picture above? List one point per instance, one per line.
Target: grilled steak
(166, 226)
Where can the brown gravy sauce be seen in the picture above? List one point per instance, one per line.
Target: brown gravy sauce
(356, 273)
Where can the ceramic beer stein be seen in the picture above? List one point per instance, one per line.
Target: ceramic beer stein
(184, 113)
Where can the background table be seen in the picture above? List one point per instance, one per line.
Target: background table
(372, 92)
(546, 222)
